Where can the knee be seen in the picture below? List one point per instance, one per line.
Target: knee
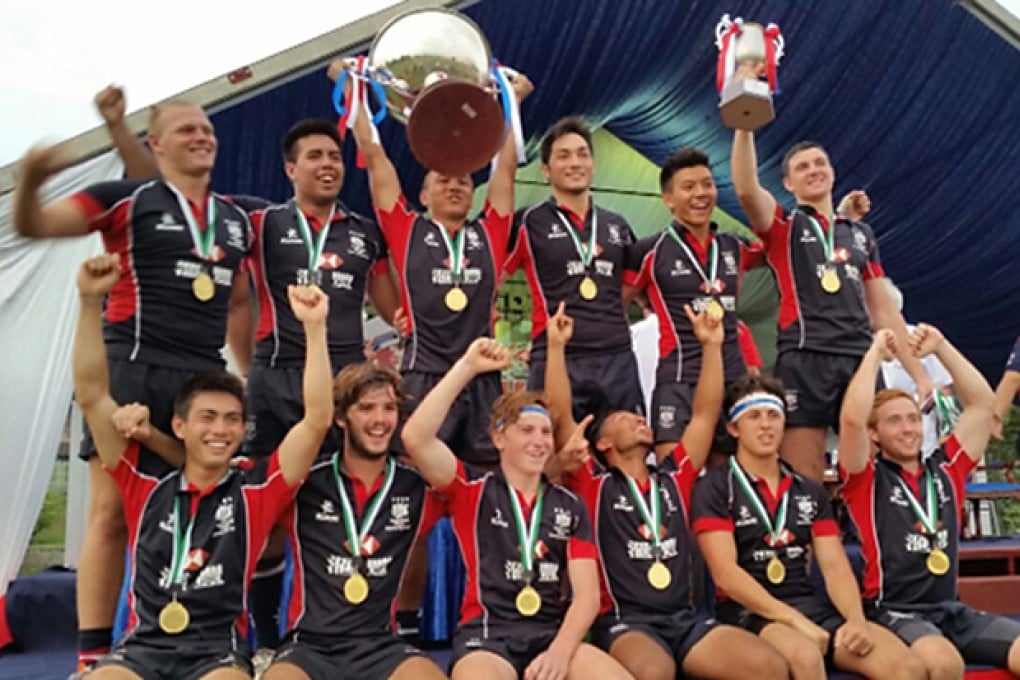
(944, 664)
(805, 661)
(651, 668)
(912, 667)
(765, 662)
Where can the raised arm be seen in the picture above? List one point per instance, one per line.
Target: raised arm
(1005, 393)
(854, 445)
(30, 218)
(559, 330)
(975, 424)
(758, 204)
(884, 314)
(708, 394)
(111, 105)
(132, 421)
(501, 183)
(298, 449)
(89, 367)
(432, 457)
(382, 176)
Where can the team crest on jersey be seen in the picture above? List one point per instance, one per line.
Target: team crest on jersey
(327, 512)
(291, 238)
(807, 509)
(729, 263)
(792, 400)
(235, 234)
(474, 241)
(167, 222)
(897, 497)
(807, 237)
(667, 416)
(357, 246)
(400, 514)
(860, 240)
(563, 520)
(615, 234)
(224, 518)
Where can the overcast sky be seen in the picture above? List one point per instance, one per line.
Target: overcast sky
(50, 66)
(55, 54)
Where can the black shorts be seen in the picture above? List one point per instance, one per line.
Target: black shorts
(982, 638)
(372, 656)
(466, 427)
(153, 386)
(276, 404)
(184, 662)
(519, 645)
(677, 634)
(817, 609)
(814, 384)
(672, 405)
(616, 374)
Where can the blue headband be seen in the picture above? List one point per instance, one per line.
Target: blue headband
(756, 400)
(530, 408)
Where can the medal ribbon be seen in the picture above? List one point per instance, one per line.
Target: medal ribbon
(650, 513)
(928, 517)
(774, 528)
(455, 248)
(585, 251)
(827, 240)
(181, 543)
(713, 259)
(314, 247)
(527, 533)
(203, 240)
(355, 537)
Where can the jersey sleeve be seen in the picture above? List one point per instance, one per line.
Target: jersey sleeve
(637, 271)
(396, 224)
(585, 482)
(874, 269)
(134, 486)
(825, 521)
(748, 347)
(98, 203)
(958, 467)
(710, 509)
(268, 495)
(582, 541)
(683, 473)
(498, 229)
(433, 509)
(516, 250)
(752, 255)
(778, 231)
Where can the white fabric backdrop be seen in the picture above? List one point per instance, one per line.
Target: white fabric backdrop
(38, 309)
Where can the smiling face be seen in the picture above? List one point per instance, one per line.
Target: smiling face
(212, 429)
(896, 427)
(624, 433)
(317, 169)
(182, 139)
(809, 175)
(369, 423)
(526, 444)
(691, 196)
(571, 166)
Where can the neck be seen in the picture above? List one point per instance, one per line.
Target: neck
(911, 464)
(822, 205)
(318, 209)
(576, 201)
(633, 465)
(365, 469)
(194, 187)
(525, 483)
(701, 233)
(451, 224)
(765, 467)
(203, 477)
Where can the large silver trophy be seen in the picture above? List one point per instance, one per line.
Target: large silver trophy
(436, 68)
(746, 103)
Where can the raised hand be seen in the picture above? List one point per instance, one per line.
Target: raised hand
(925, 339)
(309, 304)
(401, 324)
(855, 205)
(560, 328)
(98, 275)
(132, 421)
(884, 343)
(111, 104)
(574, 452)
(707, 328)
(485, 355)
(522, 86)
(40, 163)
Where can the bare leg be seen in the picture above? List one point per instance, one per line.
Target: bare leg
(890, 658)
(643, 657)
(804, 449)
(483, 665)
(803, 657)
(714, 657)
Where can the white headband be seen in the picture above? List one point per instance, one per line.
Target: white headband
(756, 400)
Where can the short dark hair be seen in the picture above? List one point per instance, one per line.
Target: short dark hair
(796, 149)
(355, 379)
(749, 384)
(571, 125)
(208, 381)
(689, 157)
(307, 128)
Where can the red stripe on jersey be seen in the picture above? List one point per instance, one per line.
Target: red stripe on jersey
(464, 505)
(295, 607)
(539, 312)
(381, 266)
(668, 337)
(118, 238)
(588, 487)
(874, 270)
(260, 278)
(91, 209)
(824, 527)
(705, 524)
(748, 347)
(859, 494)
(778, 244)
(396, 227)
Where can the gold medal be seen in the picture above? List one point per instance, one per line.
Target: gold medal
(174, 618)
(938, 562)
(659, 576)
(456, 299)
(356, 588)
(714, 309)
(775, 572)
(588, 288)
(528, 601)
(830, 280)
(203, 288)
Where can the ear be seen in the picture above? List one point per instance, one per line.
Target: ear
(340, 421)
(499, 440)
(153, 141)
(873, 435)
(545, 171)
(289, 167)
(787, 184)
(667, 198)
(732, 429)
(177, 425)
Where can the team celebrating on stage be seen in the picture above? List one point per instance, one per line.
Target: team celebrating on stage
(582, 521)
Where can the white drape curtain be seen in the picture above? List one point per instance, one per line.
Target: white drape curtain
(38, 309)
